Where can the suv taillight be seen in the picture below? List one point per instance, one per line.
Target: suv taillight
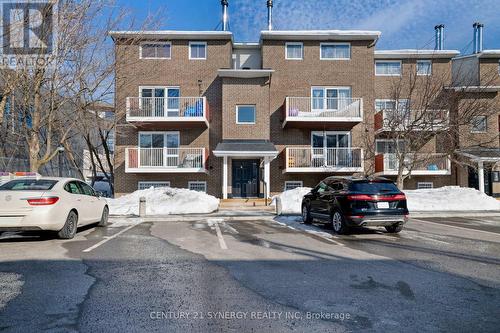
(366, 197)
(360, 197)
(42, 201)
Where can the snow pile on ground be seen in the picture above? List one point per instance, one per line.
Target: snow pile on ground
(291, 200)
(164, 201)
(450, 198)
(447, 198)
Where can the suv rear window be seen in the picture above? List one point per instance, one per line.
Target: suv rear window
(28, 185)
(373, 187)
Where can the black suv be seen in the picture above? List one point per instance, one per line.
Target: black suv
(356, 202)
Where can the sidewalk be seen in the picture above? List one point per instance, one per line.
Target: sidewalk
(454, 213)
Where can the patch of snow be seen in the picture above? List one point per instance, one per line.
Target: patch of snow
(450, 198)
(447, 198)
(295, 223)
(291, 200)
(164, 201)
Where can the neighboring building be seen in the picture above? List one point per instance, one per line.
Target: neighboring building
(478, 76)
(194, 109)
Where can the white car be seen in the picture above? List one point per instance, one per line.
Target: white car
(55, 204)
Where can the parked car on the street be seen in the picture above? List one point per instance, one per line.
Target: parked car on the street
(53, 204)
(346, 202)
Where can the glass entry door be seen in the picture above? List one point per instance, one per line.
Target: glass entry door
(159, 149)
(331, 148)
(161, 101)
(330, 98)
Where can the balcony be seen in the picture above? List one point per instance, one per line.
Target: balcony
(181, 111)
(165, 160)
(412, 120)
(322, 111)
(318, 160)
(419, 164)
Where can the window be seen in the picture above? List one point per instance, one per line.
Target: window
(197, 50)
(245, 114)
(388, 68)
(87, 190)
(330, 98)
(73, 188)
(197, 186)
(159, 139)
(424, 67)
(28, 185)
(294, 51)
(160, 101)
(424, 185)
(479, 124)
(335, 51)
(373, 187)
(291, 184)
(389, 146)
(155, 50)
(154, 184)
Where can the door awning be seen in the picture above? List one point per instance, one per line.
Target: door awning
(481, 154)
(246, 148)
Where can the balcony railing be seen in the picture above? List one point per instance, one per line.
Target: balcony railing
(417, 163)
(165, 159)
(323, 109)
(166, 109)
(418, 120)
(307, 159)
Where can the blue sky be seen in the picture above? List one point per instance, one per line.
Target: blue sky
(404, 23)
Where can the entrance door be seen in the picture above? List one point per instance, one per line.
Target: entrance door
(474, 179)
(245, 178)
(331, 149)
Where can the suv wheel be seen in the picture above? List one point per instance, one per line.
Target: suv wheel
(338, 223)
(306, 215)
(395, 228)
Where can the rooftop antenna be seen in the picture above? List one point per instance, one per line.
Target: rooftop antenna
(225, 4)
(269, 15)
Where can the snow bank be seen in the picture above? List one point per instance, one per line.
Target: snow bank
(291, 200)
(164, 201)
(447, 198)
(450, 198)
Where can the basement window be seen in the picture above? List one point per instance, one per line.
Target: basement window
(424, 185)
(291, 184)
(197, 186)
(155, 184)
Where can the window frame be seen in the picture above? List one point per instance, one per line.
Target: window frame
(254, 114)
(333, 44)
(151, 182)
(425, 185)
(193, 182)
(400, 62)
(426, 61)
(155, 43)
(165, 133)
(399, 142)
(294, 44)
(292, 181)
(472, 130)
(198, 43)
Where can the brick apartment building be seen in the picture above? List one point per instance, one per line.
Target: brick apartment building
(198, 110)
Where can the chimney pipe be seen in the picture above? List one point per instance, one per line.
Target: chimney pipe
(439, 36)
(480, 37)
(269, 15)
(224, 4)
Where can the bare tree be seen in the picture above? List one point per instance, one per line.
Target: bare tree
(422, 122)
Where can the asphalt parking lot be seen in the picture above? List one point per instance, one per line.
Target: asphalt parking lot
(263, 274)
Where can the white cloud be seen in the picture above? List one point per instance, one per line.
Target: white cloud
(404, 23)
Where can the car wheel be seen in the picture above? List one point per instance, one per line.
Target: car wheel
(104, 218)
(69, 229)
(338, 223)
(393, 229)
(306, 215)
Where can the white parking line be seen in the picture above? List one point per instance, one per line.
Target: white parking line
(222, 243)
(108, 238)
(457, 227)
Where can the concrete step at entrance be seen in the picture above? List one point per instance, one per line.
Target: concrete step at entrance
(250, 204)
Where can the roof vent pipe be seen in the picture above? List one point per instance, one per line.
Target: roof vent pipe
(478, 37)
(269, 15)
(439, 29)
(224, 4)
